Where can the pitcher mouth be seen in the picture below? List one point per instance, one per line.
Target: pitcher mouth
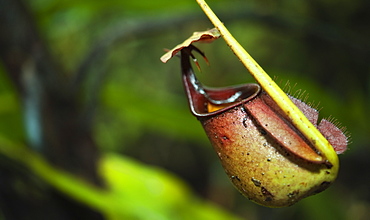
(206, 101)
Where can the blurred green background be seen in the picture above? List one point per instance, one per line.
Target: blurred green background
(156, 158)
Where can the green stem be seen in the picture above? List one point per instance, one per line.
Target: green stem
(277, 94)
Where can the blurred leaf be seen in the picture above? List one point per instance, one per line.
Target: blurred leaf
(135, 191)
(153, 193)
